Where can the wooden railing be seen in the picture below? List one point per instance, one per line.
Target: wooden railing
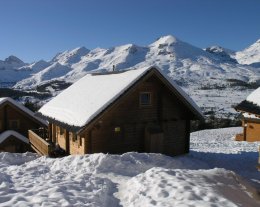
(38, 142)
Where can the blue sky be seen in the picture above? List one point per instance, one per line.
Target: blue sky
(34, 29)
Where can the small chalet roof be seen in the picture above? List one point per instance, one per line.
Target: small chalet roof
(252, 103)
(8, 133)
(84, 100)
(22, 108)
(254, 97)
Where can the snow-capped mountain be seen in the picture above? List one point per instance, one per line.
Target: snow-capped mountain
(70, 56)
(203, 73)
(250, 55)
(12, 69)
(183, 62)
(222, 53)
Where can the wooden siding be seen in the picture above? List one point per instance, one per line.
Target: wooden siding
(13, 144)
(66, 140)
(77, 146)
(61, 138)
(252, 131)
(165, 111)
(163, 126)
(9, 112)
(13, 118)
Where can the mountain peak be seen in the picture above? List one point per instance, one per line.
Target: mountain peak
(71, 56)
(80, 50)
(165, 40)
(13, 60)
(249, 55)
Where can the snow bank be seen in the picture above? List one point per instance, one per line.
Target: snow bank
(167, 187)
(218, 148)
(134, 179)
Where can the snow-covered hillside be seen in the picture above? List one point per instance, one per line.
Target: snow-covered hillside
(213, 76)
(250, 55)
(183, 62)
(201, 178)
(12, 70)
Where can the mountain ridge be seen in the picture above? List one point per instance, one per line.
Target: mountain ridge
(213, 76)
(167, 52)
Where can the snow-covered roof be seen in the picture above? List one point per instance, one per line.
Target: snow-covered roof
(250, 116)
(85, 99)
(8, 133)
(254, 97)
(23, 108)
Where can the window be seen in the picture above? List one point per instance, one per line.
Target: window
(14, 124)
(145, 99)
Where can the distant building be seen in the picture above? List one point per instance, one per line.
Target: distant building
(250, 110)
(137, 110)
(15, 121)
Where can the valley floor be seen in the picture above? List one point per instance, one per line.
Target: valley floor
(216, 172)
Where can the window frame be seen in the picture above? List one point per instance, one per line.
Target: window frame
(150, 99)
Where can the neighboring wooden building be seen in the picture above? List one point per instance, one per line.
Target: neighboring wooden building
(137, 110)
(250, 110)
(15, 121)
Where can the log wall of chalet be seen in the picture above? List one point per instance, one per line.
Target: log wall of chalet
(9, 113)
(13, 118)
(251, 130)
(162, 126)
(123, 128)
(13, 144)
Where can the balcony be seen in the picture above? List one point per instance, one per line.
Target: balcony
(39, 141)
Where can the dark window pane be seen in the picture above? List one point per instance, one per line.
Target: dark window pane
(145, 98)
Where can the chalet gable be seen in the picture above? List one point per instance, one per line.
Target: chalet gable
(80, 104)
(9, 101)
(6, 134)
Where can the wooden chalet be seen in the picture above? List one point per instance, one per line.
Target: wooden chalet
(137, 110)
(15, 121)
(250, 110)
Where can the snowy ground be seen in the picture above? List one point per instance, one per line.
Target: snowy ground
(218, 100)
(202, 178)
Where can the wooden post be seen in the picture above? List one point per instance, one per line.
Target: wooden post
(187, 136)
(5, 122)
(53, 133)
(88, 143)
(67, 139)
(245, 126)
(49, 132)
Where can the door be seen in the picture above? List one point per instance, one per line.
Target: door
(154, 140)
